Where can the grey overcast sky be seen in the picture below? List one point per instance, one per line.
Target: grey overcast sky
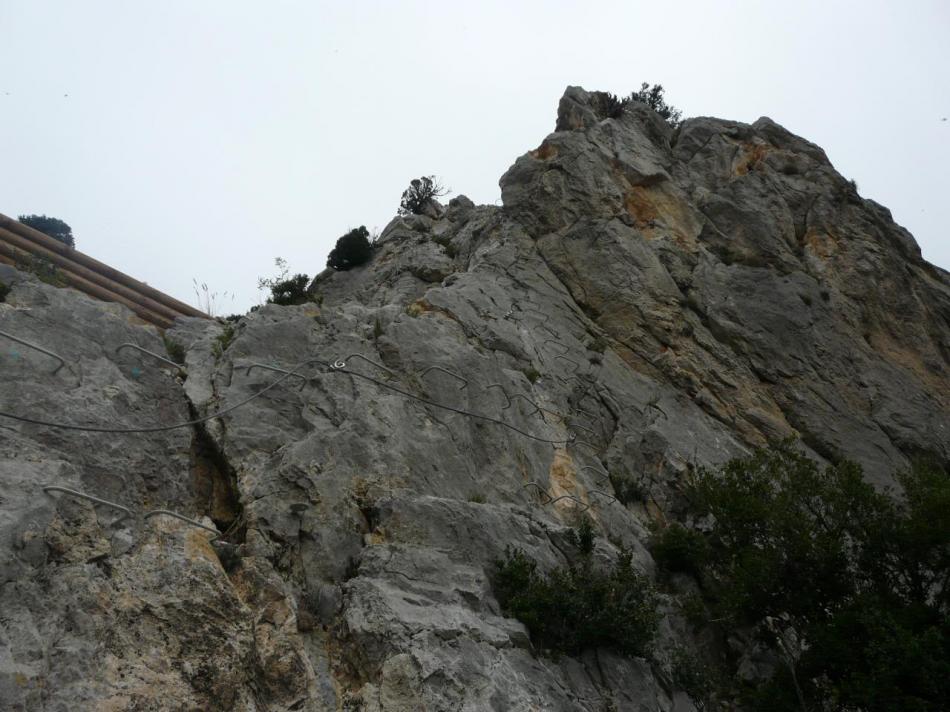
(189, 139)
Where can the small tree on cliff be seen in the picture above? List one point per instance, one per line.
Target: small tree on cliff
(653, 97)
(54, 227)
(352, 250)
(420, 192)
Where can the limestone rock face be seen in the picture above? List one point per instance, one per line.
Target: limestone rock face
(646, 300)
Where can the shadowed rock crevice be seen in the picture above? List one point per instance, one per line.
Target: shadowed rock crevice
(215, 484)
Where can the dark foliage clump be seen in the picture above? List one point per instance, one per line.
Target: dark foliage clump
(680, 549)
(290, 291)
(610, 106)
(578, 607)
(849, 586)
(351, 250)
(653, 97)
(419, 193)
(41, 268)
(627, 489)
(54, 227)
(175, 351)
(583, 537)
(4, 291)
(285, 289)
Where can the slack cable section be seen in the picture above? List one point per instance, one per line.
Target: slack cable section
(338, 367)
(162, 428)
(477, 416)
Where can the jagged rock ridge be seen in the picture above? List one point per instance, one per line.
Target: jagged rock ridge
(672, 298)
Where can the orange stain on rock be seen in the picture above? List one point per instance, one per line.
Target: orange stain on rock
(545, 151)
(820, 244)
(658, 211)
(751, 158)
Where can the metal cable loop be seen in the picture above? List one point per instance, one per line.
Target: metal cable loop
(538, 487)
(555, 341)
(603, 474)
(303, 379)
(584, 427)
(446, 371)
(340, 364)
(182, 517)
(62, 361)
(503, 392)
(82, 495)
(603, 494)
(573, 499)
(595, 448)
(154, 355)
(569, 360)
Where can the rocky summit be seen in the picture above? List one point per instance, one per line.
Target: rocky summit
(646, 302)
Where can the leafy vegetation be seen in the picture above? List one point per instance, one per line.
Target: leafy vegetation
(627, 489)
(693, 676)
(420, 191)
(351, 250)
(176, 352)
(284, 289)
(290, 291)
(653, 97)
(610, 106)
(43, 269)
(681, 549)
(579, 606)
(223, 340)
(849, 586)
(4, 291)
(54, 227)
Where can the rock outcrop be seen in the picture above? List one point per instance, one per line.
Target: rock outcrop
(647, 300)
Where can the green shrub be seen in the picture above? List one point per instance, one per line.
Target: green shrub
(859, 577)
(583, 536)
(653, 97)
(578, 607)
(677, 548)
(176, 352)
(532, 374)
(446, 242)
(598, 344)
(627, 489)
(420, 191)
(54, 227)
(694, 676)
(284, 289)
(41, 268)
(290, 291)
(609, 106)
(351, 250)
(223, 340)
(4, 291)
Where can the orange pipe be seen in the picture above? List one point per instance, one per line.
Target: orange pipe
(96, 266)
(77, 269)
(9, 251)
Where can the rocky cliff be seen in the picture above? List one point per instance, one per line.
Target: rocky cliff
(647, 300)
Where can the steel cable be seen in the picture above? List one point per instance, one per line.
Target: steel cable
(161, 428)
(336, 367)
(340, 367)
